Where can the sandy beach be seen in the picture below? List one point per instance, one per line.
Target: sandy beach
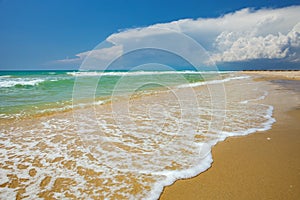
(269, 75)
(263, 165)
(127, 149)
(149, 100)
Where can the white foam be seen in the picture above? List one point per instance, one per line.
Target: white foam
(172, 176)
(11, 82)
(3, 177)
(263, 126)
(212, 82)
(6, 193)
(256, 99)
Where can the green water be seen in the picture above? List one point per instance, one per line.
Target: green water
(29, 92)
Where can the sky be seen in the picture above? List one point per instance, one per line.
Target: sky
(86, 34)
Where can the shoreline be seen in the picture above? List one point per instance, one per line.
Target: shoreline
(262, 165)
(57, 147)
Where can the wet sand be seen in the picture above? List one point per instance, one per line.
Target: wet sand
(263, 165)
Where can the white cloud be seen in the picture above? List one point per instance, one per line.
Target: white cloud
(236, 46)
(242, 35)
(294, 36)
(69, 60)
(103, 54)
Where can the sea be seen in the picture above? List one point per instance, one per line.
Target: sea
(26, 93)
(118, 134)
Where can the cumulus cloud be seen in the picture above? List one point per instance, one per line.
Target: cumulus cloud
(294, 36)
(235, 46)
(239, 36)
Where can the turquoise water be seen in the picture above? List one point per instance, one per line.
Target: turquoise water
(24, 93)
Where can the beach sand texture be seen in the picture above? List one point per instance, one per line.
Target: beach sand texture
(46, 158)
(263, 165)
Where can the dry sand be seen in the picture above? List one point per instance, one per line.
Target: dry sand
(263, 165)
(287, 75)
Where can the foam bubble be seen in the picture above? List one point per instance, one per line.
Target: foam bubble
(11, 82)
(212, 82)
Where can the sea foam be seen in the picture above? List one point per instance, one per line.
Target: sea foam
(11, 82)
(132, 149)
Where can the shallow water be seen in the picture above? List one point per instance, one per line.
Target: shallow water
(25, 93)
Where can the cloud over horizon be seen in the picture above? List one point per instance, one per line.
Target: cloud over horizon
(240, 36)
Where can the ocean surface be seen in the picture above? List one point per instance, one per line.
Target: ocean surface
(24, 93)
(118, 134)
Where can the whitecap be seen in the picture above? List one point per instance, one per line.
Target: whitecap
(20, 81)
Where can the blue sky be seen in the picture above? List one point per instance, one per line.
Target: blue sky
(35, 34)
